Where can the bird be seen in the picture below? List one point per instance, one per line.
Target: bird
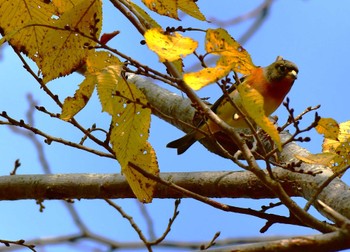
(272, 82)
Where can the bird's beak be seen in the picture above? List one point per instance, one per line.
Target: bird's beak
(293, 74)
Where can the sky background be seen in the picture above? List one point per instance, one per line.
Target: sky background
(313, 34)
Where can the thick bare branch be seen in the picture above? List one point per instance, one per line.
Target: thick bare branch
(96, 186)
(241, 184)
(335, 194)
(334, 241)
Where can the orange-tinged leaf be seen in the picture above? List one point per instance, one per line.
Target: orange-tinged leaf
(163, 7)
(72, 105)
(169, 47)
(24, 20)
(63, 51)
(106, 37)
(219, 41)
(253, 104)
(320, 158)
(329, 127)
(191, 8)
(205, 76)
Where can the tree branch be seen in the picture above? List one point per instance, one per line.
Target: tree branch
(334, 195)
(240, 184)
(334, 241)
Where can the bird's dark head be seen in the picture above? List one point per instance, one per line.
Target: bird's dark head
(281, 69)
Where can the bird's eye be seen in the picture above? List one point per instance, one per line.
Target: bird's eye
(282, 68)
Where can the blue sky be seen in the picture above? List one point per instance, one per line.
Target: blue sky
(313, 34)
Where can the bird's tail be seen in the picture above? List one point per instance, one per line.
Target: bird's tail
(183, 143)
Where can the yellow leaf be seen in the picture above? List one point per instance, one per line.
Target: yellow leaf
(205, 76)
(64, 50)
(163, 7)
(219, 41)
(63, 6)
(344, 131)
(330, 145)
(169, 47)
(191, 8)
(130, 126)
(232, 57)
(72, 105)
(143, 187)
(338, 145)
(170, 7)
(24, 20)
(144, 18)
(329, 127)
(108, 82)
(320, 158)
(97, 61)
(253, 104)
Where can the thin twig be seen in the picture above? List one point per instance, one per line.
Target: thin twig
(48, 138)
(211, 243)
(131, 222)
(170, 223)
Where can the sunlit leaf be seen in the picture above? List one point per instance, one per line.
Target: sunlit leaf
(108, 81)
(130, 129)
(320, 158)
(142, 186)
(163, 7)
(170, 8)
(344, 131)
(25, 20)
(144, 18)
(63, 6)
(219, 42)
(339, 145)
(232, 57)
(329, 127)
(191, 8)
(169, 47)
(72, 105)
(64, 50)
(205, 76)
(96, 61)
(253, 104)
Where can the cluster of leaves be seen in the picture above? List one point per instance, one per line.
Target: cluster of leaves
(63, 36)
(335, 148)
